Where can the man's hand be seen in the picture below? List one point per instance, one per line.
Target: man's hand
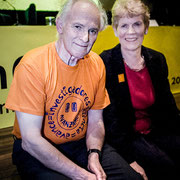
(95, 167)
(94, 140)
(139, 169)
(84, 175)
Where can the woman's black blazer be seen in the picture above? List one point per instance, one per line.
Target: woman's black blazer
(119, 115)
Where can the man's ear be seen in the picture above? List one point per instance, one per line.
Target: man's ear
(115, 31)
(59, 25)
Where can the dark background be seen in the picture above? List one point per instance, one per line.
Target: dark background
(164, 12)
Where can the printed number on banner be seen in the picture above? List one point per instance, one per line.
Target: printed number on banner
(175, 80)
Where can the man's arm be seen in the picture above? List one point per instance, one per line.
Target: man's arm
(94, 140)
(32, 142)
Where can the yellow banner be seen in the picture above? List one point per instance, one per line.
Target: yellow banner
(15, 41)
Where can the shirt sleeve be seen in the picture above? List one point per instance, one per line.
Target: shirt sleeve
(27, 90)
(101, 97)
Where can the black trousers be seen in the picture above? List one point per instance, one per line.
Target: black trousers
(159, 155)
(115, 167)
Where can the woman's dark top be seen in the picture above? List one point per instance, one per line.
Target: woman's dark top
(119, 116)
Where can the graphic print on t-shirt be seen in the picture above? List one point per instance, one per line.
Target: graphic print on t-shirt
(69, 107)
(67, 118)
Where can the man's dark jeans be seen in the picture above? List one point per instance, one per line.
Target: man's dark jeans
(114, 166)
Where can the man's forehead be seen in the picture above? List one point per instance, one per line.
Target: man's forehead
(84, 13)
(83, 6)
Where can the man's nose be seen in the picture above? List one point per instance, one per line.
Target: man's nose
(85, 36)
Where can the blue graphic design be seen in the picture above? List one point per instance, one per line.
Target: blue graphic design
(74, 107)
(67, 107)
(70, 107)
(66, 122)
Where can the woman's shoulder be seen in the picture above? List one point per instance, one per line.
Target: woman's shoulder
(151, 52)
(111, 50)
(110, 55)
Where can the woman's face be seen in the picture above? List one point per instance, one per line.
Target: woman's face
(130, 31)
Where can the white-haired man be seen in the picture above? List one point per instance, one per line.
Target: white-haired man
(58, 93)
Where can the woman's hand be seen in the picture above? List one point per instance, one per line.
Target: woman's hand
(139, 169)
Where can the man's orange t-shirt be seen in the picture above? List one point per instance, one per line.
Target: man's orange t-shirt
(44, 85)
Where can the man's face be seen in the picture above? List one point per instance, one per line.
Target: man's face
(80, 29)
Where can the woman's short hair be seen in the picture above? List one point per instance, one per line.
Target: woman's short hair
(129, 8)
(66, 5)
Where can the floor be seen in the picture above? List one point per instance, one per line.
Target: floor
(7, 169)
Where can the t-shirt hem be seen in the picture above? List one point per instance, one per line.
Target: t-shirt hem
(100, 107)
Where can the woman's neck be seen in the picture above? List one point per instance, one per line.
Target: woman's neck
(133, 59)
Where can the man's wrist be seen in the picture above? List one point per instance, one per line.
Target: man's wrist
(94, 151)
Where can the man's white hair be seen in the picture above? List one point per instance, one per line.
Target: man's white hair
(66, 5)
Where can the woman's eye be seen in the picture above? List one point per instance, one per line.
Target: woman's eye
(137, 23)
(124, 25)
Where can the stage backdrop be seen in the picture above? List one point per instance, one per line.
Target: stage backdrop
(15, 41)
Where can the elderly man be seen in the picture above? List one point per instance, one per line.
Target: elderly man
(58, 93)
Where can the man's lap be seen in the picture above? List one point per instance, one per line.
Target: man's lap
(114, 166)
